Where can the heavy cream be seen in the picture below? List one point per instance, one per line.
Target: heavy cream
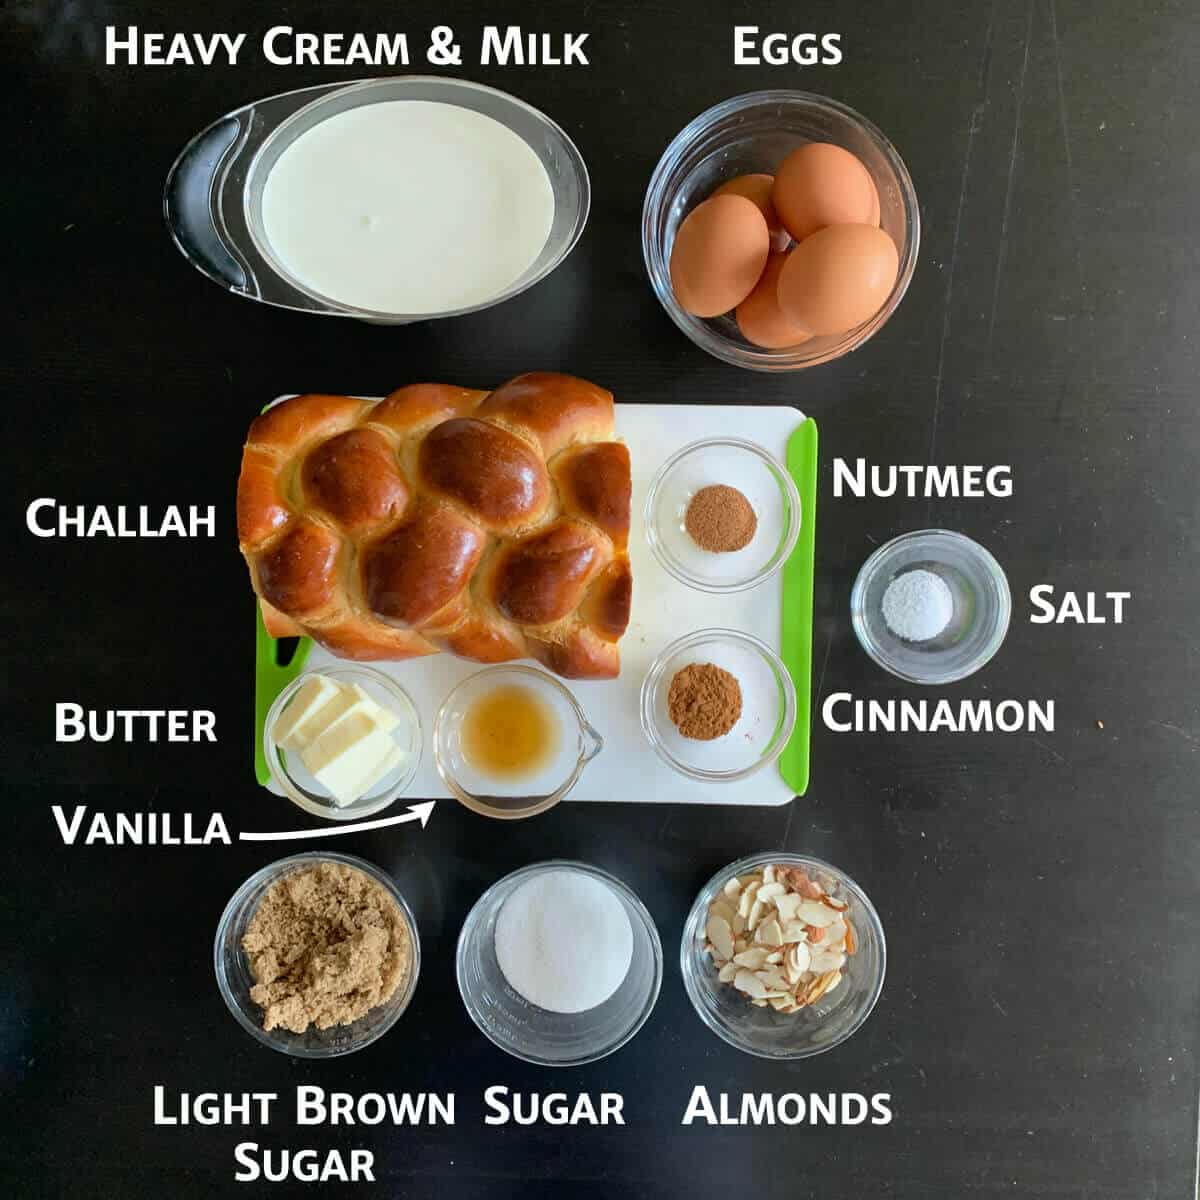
(408, 207)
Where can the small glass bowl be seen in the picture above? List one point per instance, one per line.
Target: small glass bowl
(763, 1031)
(982, 606)
(768, 706)
(765, 483)
(534, 1034)
(235, 981)
(754, 133)
(295, 780)
(528, 795)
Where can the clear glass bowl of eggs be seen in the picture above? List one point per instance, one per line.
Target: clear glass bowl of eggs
(780, 230)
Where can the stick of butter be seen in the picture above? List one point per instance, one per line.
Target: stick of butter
(311, 697)
(350, 756)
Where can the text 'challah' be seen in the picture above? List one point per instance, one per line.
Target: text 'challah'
(490, 524)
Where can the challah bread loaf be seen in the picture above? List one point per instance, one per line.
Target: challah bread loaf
(493, 525)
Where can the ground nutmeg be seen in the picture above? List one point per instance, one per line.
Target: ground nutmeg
(720, 519)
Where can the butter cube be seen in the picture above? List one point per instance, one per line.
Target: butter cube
(383, 717)
(307, 731)
(310, 698)
(349, 756)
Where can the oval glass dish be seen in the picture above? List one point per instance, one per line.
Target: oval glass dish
(765, 483)
(763, 1031)
(754, 133)
(235, 981)
(534, 1034)
(212, 200)
(290, 775)
(527, 794)
(768, 706)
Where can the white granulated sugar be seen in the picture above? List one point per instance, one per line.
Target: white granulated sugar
(917, 605)
(563, 940)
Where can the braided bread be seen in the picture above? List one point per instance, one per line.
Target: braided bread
(492, 525)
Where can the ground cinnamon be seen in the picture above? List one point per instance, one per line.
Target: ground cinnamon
(720, 519)
(326, 945)
(704, 701)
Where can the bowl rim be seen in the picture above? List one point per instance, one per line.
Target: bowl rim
(773, 464)
(992, 569)
(269, 874)
(787, 719)
(473, 802)
(654, 256)
(471, 923)
(690, 949)
(356, 811)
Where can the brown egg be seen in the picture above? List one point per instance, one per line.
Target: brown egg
(719, 254)
(757, 188)
(760, 318)
(838, 278)
(821, 184)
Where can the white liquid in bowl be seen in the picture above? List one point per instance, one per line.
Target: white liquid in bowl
(408, 207)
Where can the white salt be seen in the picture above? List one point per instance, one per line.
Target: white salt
(917, 605)
(564, 941)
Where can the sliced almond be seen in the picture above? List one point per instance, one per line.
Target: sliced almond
(815, 933)
(721, 936)
(769, 873)
(776, 956)
(794, 931)
(813, 912)
(783, 1004)
(836, 905)
(837, 978)
(774, 980)
(738, 924)
(747, 899)
(851, 938)
(727, 972)
(756, 914)
(748, 982)
(769, 933)
(822, 985)
(721, 907)
(759, 1003)
(787, 905)
(752, 959)
(835, 934)
(769, 891)
(799, 958)
(733, 889)
(826, 960)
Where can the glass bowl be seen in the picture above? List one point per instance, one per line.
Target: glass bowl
(754, 133)
(235, 981)
(527, 795)
(768, 706)
(298, 784)
(553, 1039)
(763, 1031)
(982, 606)
(765, 483)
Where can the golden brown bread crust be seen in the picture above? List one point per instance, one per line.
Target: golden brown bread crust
(491, 525)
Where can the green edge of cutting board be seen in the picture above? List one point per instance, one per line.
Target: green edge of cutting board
(271, 675)
(796, 637)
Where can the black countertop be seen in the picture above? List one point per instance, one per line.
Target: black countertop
(1037, 1033)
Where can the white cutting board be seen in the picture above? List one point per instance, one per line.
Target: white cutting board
(627, 769)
